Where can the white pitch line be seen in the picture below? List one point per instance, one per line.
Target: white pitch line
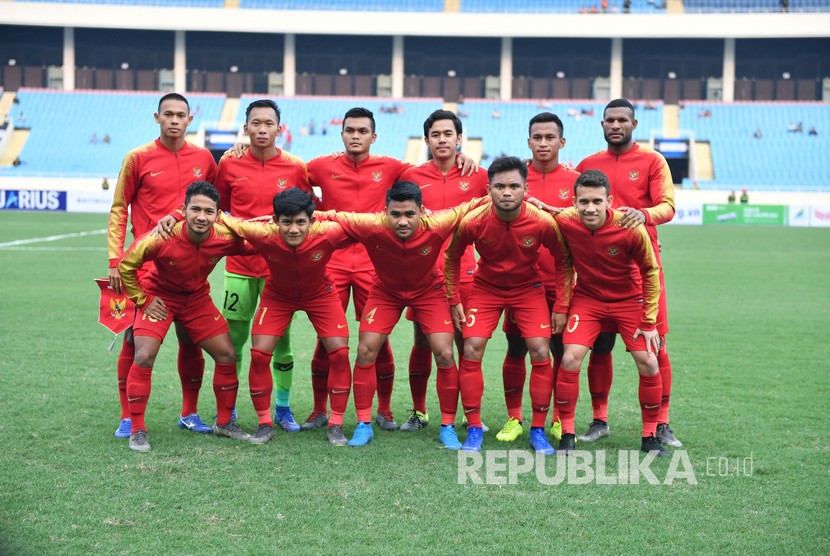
(52, 238)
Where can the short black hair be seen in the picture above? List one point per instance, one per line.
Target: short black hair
(201, 187)
(619, 103)
(593, 178)
(544, 118)
(358, 112)
(404, 191)
(505, 164)
(439, 115)
(262, 103)
(173, 96)
(292, 202)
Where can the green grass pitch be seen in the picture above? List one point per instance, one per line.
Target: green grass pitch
(750, 314)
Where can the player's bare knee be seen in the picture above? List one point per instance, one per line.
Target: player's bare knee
(443, 356)
(571, 360)
(473, 351)
(646, 364)
(145, 357)
(366, 355)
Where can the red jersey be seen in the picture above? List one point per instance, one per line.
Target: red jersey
(443, 192)
(404, 267)
(301, 270)
(640, 179)
(555, 188)
(354, 187)
(613, 263)
(181, 266)
(247, 187)
(152, 182)
(509, 252)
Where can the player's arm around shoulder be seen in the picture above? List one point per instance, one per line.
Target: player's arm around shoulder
(144, 249)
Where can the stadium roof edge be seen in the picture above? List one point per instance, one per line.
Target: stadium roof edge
(741, 26)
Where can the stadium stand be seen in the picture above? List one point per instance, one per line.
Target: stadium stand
(741, 6)
(346, 5)
(148, 3)
(779, 159)
(560, 6)
(68, 129)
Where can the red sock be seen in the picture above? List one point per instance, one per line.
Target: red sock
(320, 378)
(513, 373)
(420, 367)
(665, 374)
(261, 384)
(125, 361)
(567, 393)
(555, 410)
(339, 384)
(365, 383)
(541, 388)
(471, 382)
(138, 392)
(191, 371)
(651, 389)
(385, 369)
(446, 382)
(600, 376)
(225, 385)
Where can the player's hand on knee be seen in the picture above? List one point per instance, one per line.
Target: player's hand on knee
(652, 338)
(115, 280)
(156, 309)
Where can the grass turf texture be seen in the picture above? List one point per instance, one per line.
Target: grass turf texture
(749, 321)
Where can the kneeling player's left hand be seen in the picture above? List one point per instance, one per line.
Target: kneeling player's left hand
(652, 338)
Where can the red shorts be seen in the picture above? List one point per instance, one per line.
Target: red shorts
(527, 305)
(358, 282)
(586, 316)
(609, 326)
(429, 307)
(509, 326)
(324, 311)
(464, 290)
(196, 313)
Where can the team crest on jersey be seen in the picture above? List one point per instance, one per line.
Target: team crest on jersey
(528, 241)
(425, 250)
(316, 256)
(464, 185)
(564, 194)
(613, 251)
(117, 306)
(197, 171)
(282, 182)
(633, 174)
(377, 176)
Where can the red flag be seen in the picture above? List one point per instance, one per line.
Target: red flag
(115, 311)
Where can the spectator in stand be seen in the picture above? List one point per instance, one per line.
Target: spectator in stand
(758, 133)
(812, 131)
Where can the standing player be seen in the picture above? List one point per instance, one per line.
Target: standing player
(552, 183)
(247, 185)
(297, 249)
(151, 183)
(356, 181)
(618, 281)
(643, 189)
(508, 237)
(442, 186)
(177, 290)
(404, 246)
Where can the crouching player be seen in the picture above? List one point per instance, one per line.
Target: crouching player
(619, 282)
(508, 237)
(404, 245)
(297, 250)
(176, 290)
